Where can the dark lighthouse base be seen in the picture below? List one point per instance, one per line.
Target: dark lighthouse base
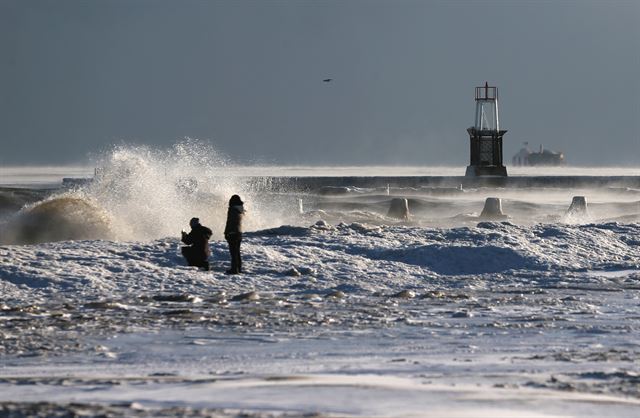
(486, 170)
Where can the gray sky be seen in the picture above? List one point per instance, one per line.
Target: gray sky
(77, 76)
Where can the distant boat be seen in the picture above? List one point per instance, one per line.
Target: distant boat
(544, 157)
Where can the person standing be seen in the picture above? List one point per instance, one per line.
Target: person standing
(233, 232)
(197, 252)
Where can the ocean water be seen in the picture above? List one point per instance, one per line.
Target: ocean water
(344, 309)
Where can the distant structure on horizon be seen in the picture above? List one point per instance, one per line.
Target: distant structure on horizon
(545, 157)
(485, 137)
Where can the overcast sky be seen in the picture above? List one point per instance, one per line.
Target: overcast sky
(77, 76)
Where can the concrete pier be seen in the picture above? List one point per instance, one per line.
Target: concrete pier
(314, 183)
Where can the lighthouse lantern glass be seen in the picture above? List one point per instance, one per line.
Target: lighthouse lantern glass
(487, 115)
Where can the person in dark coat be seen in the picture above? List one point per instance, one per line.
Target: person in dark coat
(197, 253)
(233, 232)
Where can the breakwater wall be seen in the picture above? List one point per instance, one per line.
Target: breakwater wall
(568, 182)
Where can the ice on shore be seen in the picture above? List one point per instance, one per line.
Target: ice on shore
(522, 318)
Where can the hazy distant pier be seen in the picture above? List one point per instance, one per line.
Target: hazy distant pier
(569, 182)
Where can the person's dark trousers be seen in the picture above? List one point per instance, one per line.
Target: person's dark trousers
(234, 250)
(192, 260)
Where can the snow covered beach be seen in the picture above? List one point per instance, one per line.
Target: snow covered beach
(497, 322)
(344, 311)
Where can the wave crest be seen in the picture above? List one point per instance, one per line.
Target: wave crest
(58, 219)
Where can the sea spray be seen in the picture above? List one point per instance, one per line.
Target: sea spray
(141, 193)
(153, 193)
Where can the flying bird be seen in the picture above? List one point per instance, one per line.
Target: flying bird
(328, 80)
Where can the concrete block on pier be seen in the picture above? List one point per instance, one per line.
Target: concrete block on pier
(578, 206)
(493, 209)
(399, 209)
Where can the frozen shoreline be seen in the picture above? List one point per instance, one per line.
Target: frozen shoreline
(353, 373)
(497, 319)
(396, 372)
(351, 394)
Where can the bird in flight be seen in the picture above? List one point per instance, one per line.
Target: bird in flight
(328, 80)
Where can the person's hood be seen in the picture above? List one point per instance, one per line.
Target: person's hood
(235, 200)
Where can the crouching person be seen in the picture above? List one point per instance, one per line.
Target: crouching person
(197, 253)
(233, 232)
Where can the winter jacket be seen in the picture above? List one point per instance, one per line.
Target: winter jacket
(198, 238)
(234, 221)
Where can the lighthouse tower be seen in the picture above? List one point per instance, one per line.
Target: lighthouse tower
(485, 136)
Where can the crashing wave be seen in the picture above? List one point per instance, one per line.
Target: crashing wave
(57, 219)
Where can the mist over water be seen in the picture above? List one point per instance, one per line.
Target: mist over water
(141, 193)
